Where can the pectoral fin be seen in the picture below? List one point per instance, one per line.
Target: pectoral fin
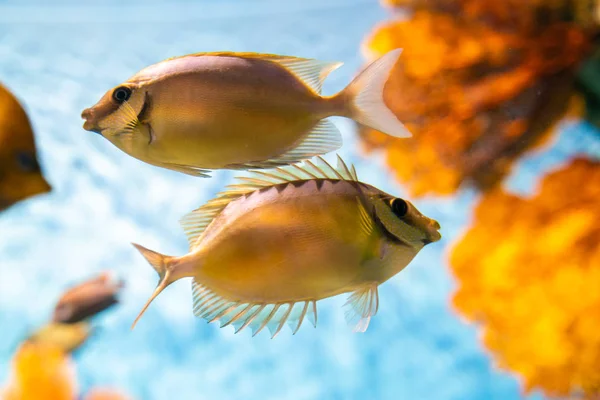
(361, 306)
(374, 248)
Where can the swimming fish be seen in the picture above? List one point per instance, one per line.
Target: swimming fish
(20, 173)
(87, 299)
(66, 337)
(229, 110)
(264, 251)
(104, 394)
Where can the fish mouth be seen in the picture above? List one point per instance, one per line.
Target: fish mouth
(433, 232)
(91, 127)
(90, 124)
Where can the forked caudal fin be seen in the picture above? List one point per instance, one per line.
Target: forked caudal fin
(160, 263)
(365, 93)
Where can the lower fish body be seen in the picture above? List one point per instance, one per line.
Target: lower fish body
(263, 254)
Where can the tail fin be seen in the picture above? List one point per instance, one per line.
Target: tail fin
(366, 95)
(160, 264)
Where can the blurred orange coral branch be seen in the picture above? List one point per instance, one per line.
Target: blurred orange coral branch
(521, 14)
(474, 96)
(528, 272)
(41, 372)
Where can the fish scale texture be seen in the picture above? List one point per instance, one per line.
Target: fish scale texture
(60, 59)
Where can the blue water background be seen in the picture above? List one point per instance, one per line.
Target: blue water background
(61, 58)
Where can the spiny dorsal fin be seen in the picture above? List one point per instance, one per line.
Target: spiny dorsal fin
(312, 72)
(213, 307)
(195, 222)
(362, 305)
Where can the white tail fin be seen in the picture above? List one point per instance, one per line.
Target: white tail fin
(366, 96)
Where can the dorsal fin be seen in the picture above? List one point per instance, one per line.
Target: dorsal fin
(312, 72)
(195, 222)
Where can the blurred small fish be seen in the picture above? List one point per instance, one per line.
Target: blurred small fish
(104, 394)
(237, 110)
(20, 173)
(87, 299)
(265, 251)
(66, 337)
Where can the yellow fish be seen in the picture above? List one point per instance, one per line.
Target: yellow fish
(230, 110)
(263, 252)
(20, 173)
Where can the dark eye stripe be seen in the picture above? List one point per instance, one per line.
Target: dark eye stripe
(389, 235)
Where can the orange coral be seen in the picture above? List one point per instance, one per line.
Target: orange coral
(502, 13)
(41, 372)
(528, 271)
(474, 96)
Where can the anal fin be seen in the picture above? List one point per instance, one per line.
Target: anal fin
(184, 169)
(361, 306)
(322, 139)
(212, 307)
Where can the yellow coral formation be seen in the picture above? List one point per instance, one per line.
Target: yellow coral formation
(529, 271)
(474, 96)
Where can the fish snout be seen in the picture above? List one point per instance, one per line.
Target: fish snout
(434, 231)
(90, 123)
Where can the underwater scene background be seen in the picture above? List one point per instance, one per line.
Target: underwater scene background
(59, 58)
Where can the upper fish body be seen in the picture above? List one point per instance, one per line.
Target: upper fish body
(237, 110)
(262, 253)
(20, 173)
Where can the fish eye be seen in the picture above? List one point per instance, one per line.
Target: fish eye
(399, 207)
(27, 162)
(121, 94)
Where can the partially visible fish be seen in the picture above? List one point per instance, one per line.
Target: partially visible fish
(266, 250)
(230, 110)
(87, 299)
(66, 337)
(20, 173)
(104, 394)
